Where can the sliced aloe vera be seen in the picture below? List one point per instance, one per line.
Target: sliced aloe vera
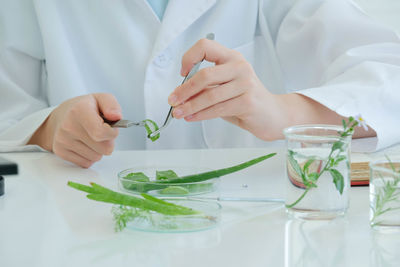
(174, 190)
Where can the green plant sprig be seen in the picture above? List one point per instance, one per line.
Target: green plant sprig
(102, 194)
(139, 206)
(310, 179)
(390, 193)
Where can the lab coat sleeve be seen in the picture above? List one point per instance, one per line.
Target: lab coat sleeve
(23, 105)
(332, 52)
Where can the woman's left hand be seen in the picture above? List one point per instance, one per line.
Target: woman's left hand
(230, 90)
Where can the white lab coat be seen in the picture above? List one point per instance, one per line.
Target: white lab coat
(53, 50)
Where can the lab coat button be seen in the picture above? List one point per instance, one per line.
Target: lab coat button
(162, 60)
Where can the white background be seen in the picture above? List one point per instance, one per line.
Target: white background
(386, 11)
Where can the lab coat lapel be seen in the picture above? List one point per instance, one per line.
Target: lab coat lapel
(178, 16)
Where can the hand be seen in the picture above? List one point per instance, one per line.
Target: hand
(76, 132)
(230, 90)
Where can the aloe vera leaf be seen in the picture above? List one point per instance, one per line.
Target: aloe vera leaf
(163, 175)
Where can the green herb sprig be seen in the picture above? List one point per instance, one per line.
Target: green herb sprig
(390, 192)
(309, 178)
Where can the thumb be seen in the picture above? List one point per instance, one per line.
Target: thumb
(108, 106)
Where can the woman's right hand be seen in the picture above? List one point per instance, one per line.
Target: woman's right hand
(76, 132)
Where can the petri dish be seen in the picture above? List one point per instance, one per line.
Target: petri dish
(153, 186)
(149, 221)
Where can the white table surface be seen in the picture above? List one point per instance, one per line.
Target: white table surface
(43, 222)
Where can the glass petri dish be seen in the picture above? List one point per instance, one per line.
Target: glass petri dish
(209, 217)
(155, 188)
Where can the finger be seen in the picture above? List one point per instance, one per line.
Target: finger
(85, 151)
(202, 79)
(86, 113)
(208, 98)
(101, 147)
(227, 108)
(73, 157)
(78, 141)
(109, 106)
(208, 50)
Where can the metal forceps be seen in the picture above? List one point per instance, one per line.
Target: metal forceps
(195, 68)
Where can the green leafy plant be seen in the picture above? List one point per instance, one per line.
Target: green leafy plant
(139, 182)
(310, 177)
(385, 195)
(122, 215)
(131, 207)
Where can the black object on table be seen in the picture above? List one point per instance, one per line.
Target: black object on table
(6, 168)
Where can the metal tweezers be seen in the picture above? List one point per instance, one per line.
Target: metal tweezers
(195, 68)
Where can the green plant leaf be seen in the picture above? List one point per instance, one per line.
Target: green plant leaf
(338, 179)
(199, 177)
(337, 145)
(81, 187)
(137, 176)
(174, 190)
(164, 175)
(307, 165)
(295, 165)
(331, 162)
(151, 127)
(391, 164)
(313, 176)
(130, 180)
(148, 202)
(122, 215)
(338, 160)
(311, 185)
